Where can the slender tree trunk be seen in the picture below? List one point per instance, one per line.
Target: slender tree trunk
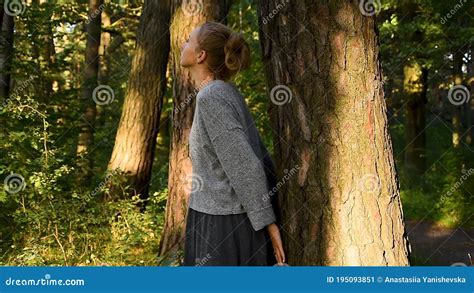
(48, 55)
(333, 148)
(2, 2)
(37, 45)
(91, 67)
(185, 19)
(104, 63)
(6, 50)
(470, 103)
(135, 141)
(415, 88)
(457, 117)
(103, 50)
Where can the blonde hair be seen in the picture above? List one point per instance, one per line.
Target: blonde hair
(227, 51)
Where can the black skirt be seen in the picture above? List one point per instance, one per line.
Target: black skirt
(225, 240)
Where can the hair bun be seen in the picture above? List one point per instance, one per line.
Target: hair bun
(237, 53)
(227, 51)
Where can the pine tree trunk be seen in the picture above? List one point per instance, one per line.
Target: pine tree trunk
(185, 19)
(91, 67)
(135, 141)
(414, 87)
(340, 203)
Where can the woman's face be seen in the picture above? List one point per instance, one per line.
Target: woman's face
(189, 56)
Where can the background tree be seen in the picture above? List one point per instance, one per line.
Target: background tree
(91, 70)
(136, 136)
(6, 47)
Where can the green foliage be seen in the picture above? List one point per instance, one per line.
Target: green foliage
(443, 194)
(50, 227)
(54, 220)
(428, 32)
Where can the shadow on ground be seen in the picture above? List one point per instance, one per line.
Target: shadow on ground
(433, 245)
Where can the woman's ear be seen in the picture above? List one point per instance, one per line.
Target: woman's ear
(201, 56)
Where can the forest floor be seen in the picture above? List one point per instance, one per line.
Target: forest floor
(435, 245)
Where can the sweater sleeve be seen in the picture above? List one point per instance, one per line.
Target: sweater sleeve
(238, 159)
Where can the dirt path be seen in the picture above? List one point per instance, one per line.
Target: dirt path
(439, 246)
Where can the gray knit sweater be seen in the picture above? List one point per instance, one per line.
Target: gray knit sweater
(231, 166)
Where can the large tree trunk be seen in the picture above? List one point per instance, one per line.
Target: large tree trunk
(91, 67)
(136, 135)
(341, 203)
(185, 19)
(415, 88)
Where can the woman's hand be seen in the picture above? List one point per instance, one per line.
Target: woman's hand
(276, 242)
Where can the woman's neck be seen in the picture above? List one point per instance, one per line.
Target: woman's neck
(201, 78)
(205, 81)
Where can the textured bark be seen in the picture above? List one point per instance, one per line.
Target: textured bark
(136, 135)
(180, 169)
(340, 203)
(415, 87)
(91, 67)
(163, 139)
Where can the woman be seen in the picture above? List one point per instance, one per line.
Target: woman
(232, 218)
